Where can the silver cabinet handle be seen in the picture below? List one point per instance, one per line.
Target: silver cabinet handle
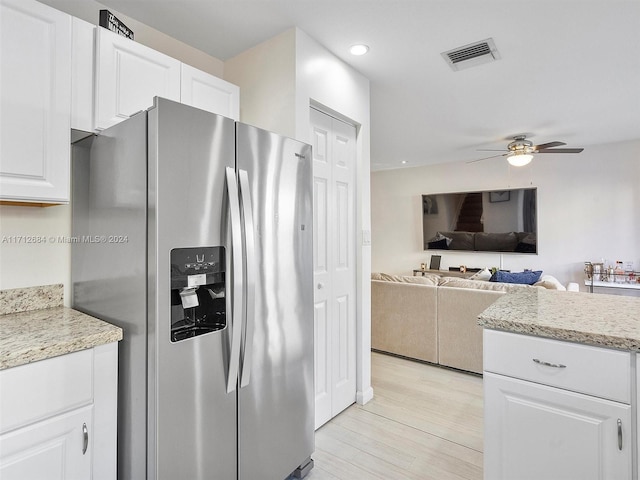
(236, 273)
(250, 271)
(547, 364)
(619, 434)
(85, 438)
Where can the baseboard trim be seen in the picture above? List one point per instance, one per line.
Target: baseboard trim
(364, 397)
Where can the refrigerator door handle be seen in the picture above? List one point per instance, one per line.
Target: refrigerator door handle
(236, 274)
(250, 262)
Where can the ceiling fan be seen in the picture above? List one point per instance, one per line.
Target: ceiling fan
(520, 151)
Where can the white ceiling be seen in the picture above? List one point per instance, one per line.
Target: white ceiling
(569, 69)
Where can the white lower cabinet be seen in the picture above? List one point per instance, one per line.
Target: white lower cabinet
(535, 432)
(50, 449)
(537, 425)
(58, 417)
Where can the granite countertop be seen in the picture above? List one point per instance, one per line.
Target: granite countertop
(35, 326)
(610, 321)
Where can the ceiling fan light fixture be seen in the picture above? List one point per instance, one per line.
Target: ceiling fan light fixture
(519, 159)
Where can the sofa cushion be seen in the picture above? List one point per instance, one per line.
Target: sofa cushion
(550, 282)
(483, 274)
(480, 285)
(425, 279)
(460, 240)
(496, 242)
(439, 236)
(526, 237)
(528, 277)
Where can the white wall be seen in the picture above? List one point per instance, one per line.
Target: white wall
(588, 209)
(266, 75)
(24, 263)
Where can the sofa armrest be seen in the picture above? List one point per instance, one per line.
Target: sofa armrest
(459, 335)
(403, 319)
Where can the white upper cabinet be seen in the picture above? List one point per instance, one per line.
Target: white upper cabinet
(128, 76)
(35, 102)
(207, 92)
(82, 53)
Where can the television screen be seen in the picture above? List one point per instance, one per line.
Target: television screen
(488, 221)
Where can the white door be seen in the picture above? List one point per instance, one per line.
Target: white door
(35, 102)
(59, 448)
(334, 167)
(207, 92)
(535, 432)
(128, 76)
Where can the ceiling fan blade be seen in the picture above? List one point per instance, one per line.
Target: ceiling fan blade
(548, 145)
(561, 150)
(486, 158)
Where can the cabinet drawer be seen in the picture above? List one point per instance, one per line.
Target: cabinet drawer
(31, 392)
(601, 372)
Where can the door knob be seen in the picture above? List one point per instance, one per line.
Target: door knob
(320, 286)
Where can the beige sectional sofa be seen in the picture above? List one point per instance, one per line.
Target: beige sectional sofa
(432, 318)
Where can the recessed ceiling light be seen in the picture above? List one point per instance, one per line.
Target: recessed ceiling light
(359, 49)
(404, 162)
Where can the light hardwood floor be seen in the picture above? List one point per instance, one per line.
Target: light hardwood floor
(424, 422)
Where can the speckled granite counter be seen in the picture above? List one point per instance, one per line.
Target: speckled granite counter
(593, 319)
(37, 334)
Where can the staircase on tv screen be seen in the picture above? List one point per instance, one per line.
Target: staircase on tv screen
(470, 216)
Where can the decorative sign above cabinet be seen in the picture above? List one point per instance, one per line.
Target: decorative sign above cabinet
(109, 21)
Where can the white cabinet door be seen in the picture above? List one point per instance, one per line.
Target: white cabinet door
(333, 146)
(535, 432)
(35, 102)
(207, 92)
(53, 449)
(128, 76)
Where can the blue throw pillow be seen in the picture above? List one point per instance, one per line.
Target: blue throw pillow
(526, 278)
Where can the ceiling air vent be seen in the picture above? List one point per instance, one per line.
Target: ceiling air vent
(471, 55)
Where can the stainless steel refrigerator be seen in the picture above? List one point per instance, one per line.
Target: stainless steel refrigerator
(194, 234)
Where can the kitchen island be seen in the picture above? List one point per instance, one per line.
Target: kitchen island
(560, 386)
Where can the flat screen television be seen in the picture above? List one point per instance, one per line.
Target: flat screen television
(483, 221)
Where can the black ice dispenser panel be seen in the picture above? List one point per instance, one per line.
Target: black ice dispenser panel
(197, 291)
